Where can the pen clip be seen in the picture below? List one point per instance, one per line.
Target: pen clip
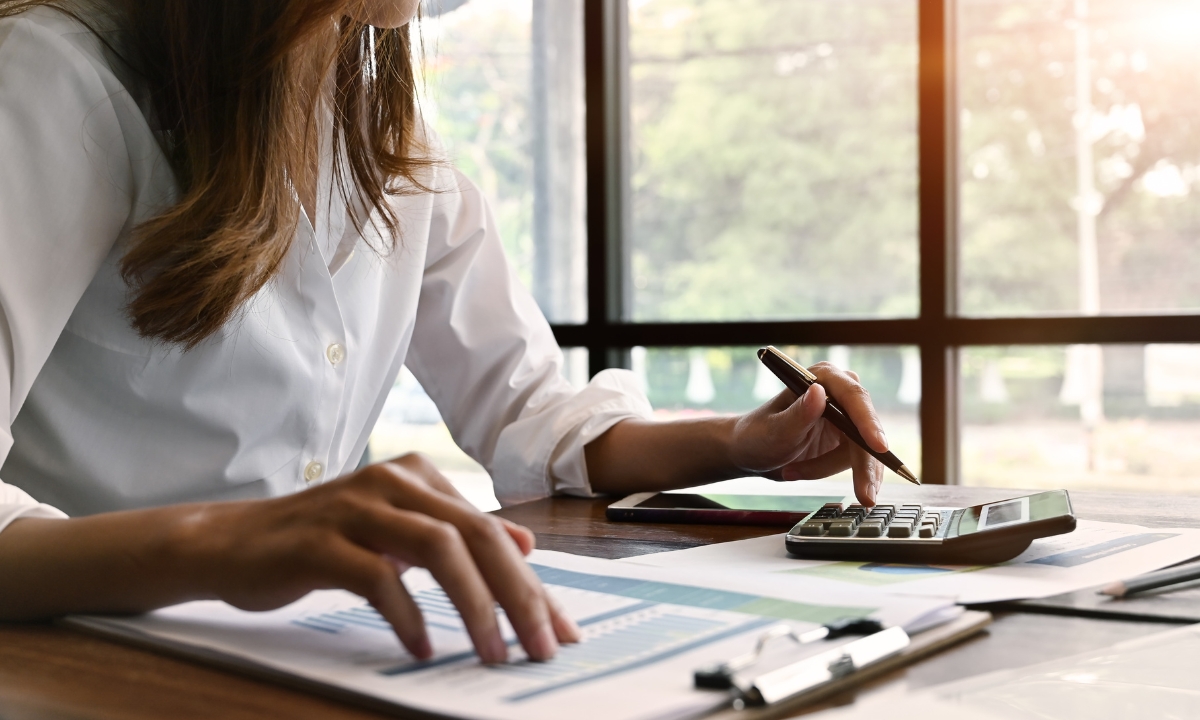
(803, 371)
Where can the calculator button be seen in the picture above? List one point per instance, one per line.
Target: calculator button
(889, 509)
(870, 528)
(928, 531)
(841, 528)
(905, 508)
(812, 529)
(830, 510)
(900, 530)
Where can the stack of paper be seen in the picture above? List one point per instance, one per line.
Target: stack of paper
(1096, 553)
(645, 631)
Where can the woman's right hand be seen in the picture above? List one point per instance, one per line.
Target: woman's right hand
(359, 533)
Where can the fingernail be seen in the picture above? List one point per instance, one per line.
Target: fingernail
(544, 643)
(497, 651)
(573, 631)
(424, 648)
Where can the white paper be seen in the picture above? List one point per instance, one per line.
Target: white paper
(645, 631)
(1094, 554)
(1151, 677)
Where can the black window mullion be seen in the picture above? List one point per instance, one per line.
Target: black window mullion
(606, 137)
(953, 332)
(936, 212)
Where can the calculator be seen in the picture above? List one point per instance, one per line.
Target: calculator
(911, 533)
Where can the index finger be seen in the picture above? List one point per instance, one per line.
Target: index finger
(497, 557)
(844, 387)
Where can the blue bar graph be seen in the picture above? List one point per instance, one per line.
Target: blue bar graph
(630, 645)
(439, 612)
(698, 597)
(662, 623)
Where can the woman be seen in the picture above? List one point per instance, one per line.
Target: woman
(222, 231)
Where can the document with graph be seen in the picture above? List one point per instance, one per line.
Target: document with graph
(644, 631)
(1094, 554)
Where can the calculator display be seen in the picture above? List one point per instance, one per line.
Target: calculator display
(1032, 508)
(1003, 513)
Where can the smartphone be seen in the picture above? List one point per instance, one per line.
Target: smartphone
(718, 509)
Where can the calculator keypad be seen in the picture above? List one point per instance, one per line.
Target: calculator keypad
(882, 521)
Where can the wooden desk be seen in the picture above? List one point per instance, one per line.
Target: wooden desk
(51, 673)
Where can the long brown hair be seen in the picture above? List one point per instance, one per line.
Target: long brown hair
(234, 87)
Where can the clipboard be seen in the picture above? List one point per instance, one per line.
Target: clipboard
(830, 681)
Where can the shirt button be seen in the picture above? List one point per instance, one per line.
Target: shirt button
(313, 472)
(336, 353)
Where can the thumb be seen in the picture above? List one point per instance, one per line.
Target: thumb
(808, 409)
(522, 535)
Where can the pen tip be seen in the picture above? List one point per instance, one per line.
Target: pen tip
(907, 474)
(1116, 589)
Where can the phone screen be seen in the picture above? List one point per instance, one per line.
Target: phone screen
(760, 503)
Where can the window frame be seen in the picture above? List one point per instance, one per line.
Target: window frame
(937, 330)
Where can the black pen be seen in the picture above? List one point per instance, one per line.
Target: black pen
(798, 379)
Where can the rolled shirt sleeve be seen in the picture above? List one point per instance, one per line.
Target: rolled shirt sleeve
(15, 503)
(487, 357)
(543, 451)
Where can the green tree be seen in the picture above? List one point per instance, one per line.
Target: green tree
(774, 159)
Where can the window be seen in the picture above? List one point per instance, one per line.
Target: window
(503, 89)
(759, 187)
(998, 196)
(1032, 419)
(1079, 157)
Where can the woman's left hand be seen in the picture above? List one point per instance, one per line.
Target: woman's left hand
(787, 439)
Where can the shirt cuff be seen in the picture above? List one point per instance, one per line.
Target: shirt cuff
(544, 454)
(15, 504)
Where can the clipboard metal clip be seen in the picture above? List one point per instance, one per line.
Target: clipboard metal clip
(842, 667)
(807, 674)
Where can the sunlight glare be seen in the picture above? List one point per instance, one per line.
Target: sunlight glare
(1176, 23)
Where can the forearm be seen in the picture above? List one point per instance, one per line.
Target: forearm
(117, 562)
(642, 455)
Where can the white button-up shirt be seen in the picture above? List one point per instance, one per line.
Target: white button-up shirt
(94, 418)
